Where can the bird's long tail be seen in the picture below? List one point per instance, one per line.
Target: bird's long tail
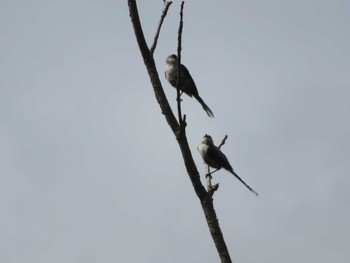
(205, 106)
(239, 178)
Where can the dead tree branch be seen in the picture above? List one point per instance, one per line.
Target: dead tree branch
(164, 13)
(223, 141)
(178, 92)
(180, 134)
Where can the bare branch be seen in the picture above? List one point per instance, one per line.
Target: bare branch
(178, 92)
(151, 68)
(164, 13)
(180, 134)
(210, 188)
(208, 176)
(163, 102)
(214, 228)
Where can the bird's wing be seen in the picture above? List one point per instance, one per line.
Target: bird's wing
(217, 159)
(187, 83)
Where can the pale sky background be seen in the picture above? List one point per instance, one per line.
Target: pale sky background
(90, 171)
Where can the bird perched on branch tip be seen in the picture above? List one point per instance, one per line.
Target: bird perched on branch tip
(215, 158)
(186, 83)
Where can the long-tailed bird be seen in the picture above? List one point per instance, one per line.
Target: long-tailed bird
(186, 84)
(214, 157)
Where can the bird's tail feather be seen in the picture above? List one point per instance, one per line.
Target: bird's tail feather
(239, 178)
(205, 107)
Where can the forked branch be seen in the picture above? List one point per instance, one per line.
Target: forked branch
(179, 132)
(164, 13)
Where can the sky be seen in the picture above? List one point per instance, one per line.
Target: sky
(91, 172)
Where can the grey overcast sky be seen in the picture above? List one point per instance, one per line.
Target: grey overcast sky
(90, 171)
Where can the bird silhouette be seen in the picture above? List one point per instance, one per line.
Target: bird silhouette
(215, 158)
(186, 83)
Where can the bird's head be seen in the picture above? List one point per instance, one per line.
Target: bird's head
(207, 140)
(172, 59)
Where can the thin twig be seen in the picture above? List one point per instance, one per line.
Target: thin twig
(223, 141)
(164, 13)
(178, 92)
(208, 177)
(210, 187)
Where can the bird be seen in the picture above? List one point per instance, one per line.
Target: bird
(215, 158)
(186, 84)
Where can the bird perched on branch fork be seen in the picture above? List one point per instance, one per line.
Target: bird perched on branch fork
(186, 83)
(214, 157)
